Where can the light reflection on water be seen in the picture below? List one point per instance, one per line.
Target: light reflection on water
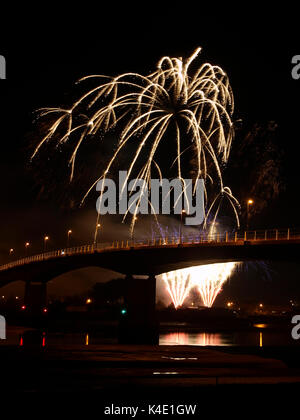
(260, 337)
(171, 338)
(196, 339)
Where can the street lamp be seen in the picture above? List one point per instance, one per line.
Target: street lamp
(27, 244)
(132, 232)
(11, 251)
(249, 203)
(98, 226)
(180, 231)
(69, 234)
(46, 238)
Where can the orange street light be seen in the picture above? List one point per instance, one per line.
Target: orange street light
(181, 217)
(132, 231)
(27, 244)
(98, 226)
(46, 238)
(249, 203)
(69, 234)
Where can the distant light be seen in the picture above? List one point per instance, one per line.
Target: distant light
(165, 373)
(88, 301)
(261, 305)
(23, 307)
(62, 252)
(27, 244)
(87, 340)
(69, 231)
(17, 297)
(46, 238)
(45, 310)
(260, 325)
(124, 311)
(250, 201)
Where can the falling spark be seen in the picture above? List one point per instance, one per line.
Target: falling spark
(195, 107)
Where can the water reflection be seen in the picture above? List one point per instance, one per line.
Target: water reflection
(43, 339)
(260, 337)
(196, 339)
(172, 338)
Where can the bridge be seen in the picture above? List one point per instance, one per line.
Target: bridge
(156, 256)
(150, 258)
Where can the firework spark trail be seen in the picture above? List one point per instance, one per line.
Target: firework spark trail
(178, 285)
(208, 279)
(198, 106)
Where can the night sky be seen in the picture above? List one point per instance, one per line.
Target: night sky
(44, 62)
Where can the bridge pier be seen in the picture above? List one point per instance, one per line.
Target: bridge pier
(35, 296)
(138, 323)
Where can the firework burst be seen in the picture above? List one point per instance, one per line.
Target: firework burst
(208, 279)
(178, 285)
(193, 107)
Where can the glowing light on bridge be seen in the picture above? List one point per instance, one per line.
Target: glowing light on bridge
(196, 105)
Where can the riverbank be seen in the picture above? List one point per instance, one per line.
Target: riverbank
(170, 368)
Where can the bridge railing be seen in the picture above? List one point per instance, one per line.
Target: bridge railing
(203, 237)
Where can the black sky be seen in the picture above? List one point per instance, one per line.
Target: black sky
(45, 56)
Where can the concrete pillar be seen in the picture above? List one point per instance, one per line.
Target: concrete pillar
(138, 323)
(35, 296)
